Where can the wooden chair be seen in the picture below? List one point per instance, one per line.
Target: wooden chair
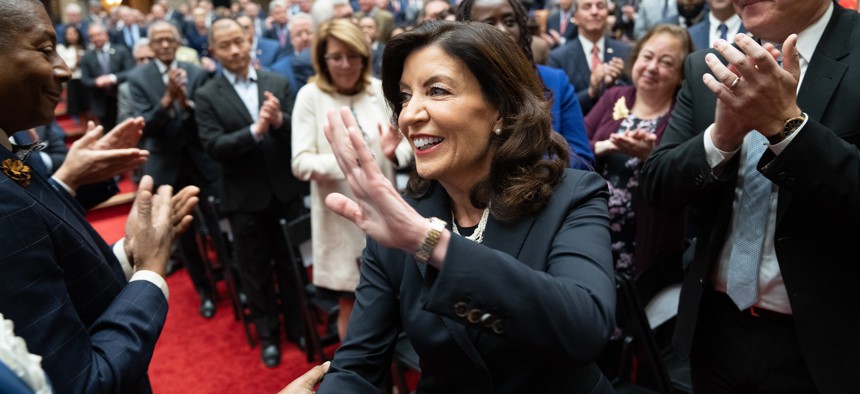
(314, 310)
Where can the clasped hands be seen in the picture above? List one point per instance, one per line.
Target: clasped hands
(637, 143)
(270, 114)
(605, 74)
(753, 91)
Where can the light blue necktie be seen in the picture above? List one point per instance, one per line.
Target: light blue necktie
(724, 31)
(750, 228)
(665, 9)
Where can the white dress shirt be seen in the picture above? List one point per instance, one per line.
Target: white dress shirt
(733, 26)
(772, 294)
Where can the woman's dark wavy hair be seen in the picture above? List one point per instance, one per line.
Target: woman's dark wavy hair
(529, 158)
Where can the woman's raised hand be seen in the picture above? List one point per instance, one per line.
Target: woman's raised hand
(378, 209)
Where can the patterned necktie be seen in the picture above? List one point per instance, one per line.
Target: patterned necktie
(724, 31)
(750, 228)
(595, 57)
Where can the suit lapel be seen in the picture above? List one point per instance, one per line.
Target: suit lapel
(225, 90)
(43, 193)
(826, 71)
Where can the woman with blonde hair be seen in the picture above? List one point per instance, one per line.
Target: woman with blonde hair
(341, 59)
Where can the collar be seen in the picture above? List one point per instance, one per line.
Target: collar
(163, 68)
(4, 140)
(235, 78)
(587, 44)
(808, 39)
(733, 23)
(105, 47)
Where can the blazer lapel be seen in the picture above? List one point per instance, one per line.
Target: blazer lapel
(822, 78)
(43, 193)
(226, 90)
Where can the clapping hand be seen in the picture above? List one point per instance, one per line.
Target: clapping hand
(270, 114)
(637, 143)
(753, 91)
(305, 384)
(389, 139)
(154, 222)
(96, 157)
(378, 208)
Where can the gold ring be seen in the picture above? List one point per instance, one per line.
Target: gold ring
(734, 83)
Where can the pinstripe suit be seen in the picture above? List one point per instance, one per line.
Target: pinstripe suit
(68, 296)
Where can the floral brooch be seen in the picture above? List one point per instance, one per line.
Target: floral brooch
(620, 110)
(17, 171)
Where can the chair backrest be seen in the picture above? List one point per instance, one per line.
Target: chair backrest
(297, 232)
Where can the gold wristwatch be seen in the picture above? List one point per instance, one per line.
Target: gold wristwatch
(788, 128)
(430, 240)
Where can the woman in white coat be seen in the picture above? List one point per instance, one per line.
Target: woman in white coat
(342, 62)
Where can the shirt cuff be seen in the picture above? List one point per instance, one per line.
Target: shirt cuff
(715, 156)
(119, 252)
(113, 78)
(64, 186)
(49, 164)
(778, 148)
(153, 278)
(256, 137)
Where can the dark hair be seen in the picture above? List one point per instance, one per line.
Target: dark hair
(80, 44)
(678, 32)
(16, 17)
(529, 158)
(464, 14)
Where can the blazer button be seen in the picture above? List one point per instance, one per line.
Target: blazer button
(498, 326)
(461, 309)
(487, 319)
(474, 316)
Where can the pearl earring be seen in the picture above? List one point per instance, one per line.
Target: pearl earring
(498, 131)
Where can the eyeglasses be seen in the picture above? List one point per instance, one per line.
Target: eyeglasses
(337, 58)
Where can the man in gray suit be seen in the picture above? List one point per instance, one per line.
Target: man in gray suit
(162, 91)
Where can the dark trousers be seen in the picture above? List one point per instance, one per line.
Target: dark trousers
(259, 244)
(736, 352)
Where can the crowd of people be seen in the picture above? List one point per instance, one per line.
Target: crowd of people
(550, 147)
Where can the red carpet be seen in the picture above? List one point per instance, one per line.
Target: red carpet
(195, 355)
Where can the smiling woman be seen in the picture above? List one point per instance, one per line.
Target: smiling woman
(487, 162)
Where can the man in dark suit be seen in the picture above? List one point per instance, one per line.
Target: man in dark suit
(162, 92)
(244, 123)
(102, 69)
(769, 301)
(560, 25)
(720, 22)
(592, 61)
(264, 51)
(280, 30)
(66, 290)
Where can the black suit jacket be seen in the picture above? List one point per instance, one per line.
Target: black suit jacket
(553, 22)
(121, 62)
(171, 133)
(818, 205)
(571, 58)
(253, 173)
(545, 282)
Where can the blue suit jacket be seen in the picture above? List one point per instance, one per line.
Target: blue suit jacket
(11, 383)
(284, 67)
(68, 297)
(701, 33)
(545, 284)
(553, 22)
(567, 117)
(268, 52)
(571, 58)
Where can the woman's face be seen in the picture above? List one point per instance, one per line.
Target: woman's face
(498, 13)
(445, 118)
(72, 36)
(344, 65)
(658, 67)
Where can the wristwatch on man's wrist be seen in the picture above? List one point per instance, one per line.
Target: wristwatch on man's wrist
(788, 128)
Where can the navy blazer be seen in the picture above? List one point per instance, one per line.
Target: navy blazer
(553, 22)
(567, 117)
(571, 58)
(268, 52)
(68, 297)
(701, 33)
(544, 286)
(818, 205)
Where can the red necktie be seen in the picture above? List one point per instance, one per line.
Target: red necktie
(595, 57)
(564, 19)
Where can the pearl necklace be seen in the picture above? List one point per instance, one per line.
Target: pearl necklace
(478, 235)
